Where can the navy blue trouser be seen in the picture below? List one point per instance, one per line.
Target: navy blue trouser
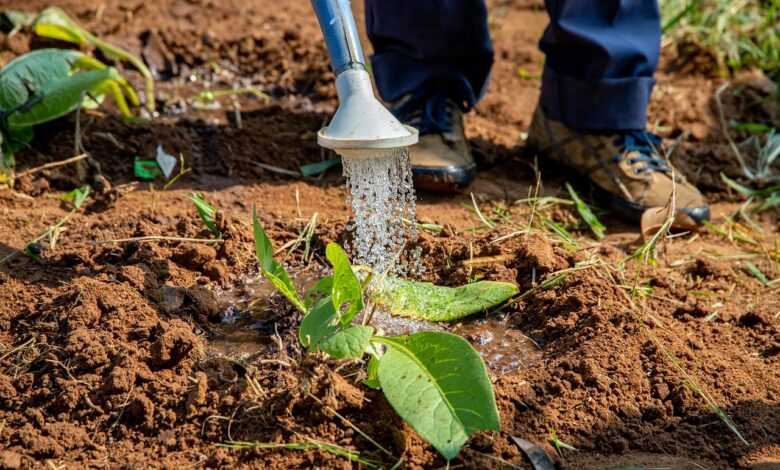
(600, 55)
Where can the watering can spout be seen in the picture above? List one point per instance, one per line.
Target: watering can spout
(361, 123)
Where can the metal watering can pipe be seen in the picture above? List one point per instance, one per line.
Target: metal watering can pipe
(362, 125)
(340, 32)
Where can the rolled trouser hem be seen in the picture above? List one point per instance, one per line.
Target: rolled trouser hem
(607, 104)
(397, 75)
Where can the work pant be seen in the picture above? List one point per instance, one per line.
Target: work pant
(600, 55)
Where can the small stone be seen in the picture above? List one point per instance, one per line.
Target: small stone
(204, 301)
(169, 298)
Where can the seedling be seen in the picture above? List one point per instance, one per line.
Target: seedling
(558, 444)
(47, 84)
(434, 380)
(79, 196)
(54, 23)
(207, 213)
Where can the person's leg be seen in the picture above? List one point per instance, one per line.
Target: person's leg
(601, 57)
(592, 114)
(431, 62)
(421, 44)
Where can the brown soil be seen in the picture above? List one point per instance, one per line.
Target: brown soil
(109, 352)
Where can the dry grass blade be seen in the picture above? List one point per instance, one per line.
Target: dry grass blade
(51, 165)
(485, 221)
(309, 444)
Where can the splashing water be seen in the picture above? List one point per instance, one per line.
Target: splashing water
(383, 210)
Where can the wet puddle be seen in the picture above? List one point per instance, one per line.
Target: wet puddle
(247, 326)
(246, 316)
(503, 348)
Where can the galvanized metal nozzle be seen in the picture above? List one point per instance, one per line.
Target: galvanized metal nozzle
(361, 121)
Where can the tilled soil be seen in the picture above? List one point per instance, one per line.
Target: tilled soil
(108, 353)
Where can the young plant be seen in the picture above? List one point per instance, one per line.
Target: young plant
(47, 84)
(54, 23)
(207, 213)
(435, 381)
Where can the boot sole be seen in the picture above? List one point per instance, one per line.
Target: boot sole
(448, 179)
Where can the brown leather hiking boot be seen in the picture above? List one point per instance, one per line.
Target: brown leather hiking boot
(625, 167)
(441, 160)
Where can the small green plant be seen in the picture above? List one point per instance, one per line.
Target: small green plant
(434, 380)
(47, 84)
(558, 444)
(207, 213)
(54, 23)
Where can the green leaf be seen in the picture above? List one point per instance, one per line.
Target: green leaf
(58, 98)
(318, 324)
(757, 273)
(347, 291)
(18, 20)
(372, 370)
(321, 289)
(438, 383)
(349, 343)
(425, 301)
(16, 140)
(77, 196)
(587, 215)
(32, 71)
(206, 211)
(54, 23)
(272, 270)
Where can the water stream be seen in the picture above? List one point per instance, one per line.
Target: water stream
(382, 199)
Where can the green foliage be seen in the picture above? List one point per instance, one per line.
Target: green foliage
(54, 23)
(77, 196)
(347, 292)
(440, 373)
(47, 84)
(272, 270)
(351, 342)
(738, 34)
(757, 273)
(436, 381)
(58, 98)
(426, 301)
(207, 213)
(587, 215)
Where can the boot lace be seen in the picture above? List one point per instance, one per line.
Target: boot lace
(432, 115)
(641, 147)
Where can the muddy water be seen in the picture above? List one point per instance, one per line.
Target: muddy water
(503, 348)
(245, 328)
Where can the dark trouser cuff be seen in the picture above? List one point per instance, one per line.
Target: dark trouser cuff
(607, 104)
(397, 75)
